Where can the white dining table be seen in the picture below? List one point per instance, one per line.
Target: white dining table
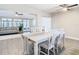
(39, 38)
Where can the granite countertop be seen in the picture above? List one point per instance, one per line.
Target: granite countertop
(4, 37)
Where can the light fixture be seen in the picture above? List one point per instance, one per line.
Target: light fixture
(65, 9)
(18, 14)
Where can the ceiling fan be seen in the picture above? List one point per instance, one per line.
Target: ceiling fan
(68, 6)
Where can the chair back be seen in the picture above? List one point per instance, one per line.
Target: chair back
(61, 38)
(54, 39)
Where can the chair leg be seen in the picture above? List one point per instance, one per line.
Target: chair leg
(48, 51)
(39, 50)
(57, 49)
(54, 51)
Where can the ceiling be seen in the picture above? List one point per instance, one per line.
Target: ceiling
(10, 9)
(48, 8)
(45, 7)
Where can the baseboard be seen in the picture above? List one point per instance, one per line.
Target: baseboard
(74, 38)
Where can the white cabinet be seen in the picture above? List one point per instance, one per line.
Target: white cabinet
(12, 46)
(20, 46)
(3, 47)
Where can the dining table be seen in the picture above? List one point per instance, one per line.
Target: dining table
(39, 38)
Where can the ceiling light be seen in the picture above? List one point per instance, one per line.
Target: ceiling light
(16, 15)
(65, 9)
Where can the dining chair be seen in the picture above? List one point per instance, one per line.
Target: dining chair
(49, 45)
(24, 45)
(61, 40)
(28, 46)
(60, 43)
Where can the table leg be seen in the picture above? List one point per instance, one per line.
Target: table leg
(35, 49)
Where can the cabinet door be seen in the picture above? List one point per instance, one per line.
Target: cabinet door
(3, 47)
(12, 46)
(20, 46)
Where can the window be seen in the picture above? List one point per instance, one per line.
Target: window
(15, 22)
(10, 23)
(4, 22)
(26, 25)
(0, 23)
(46, 23)
(33, 18)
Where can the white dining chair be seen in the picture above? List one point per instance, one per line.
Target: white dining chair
(61, 40)
(24, 45)
(28, 45)
(60, 43)
(50, 45)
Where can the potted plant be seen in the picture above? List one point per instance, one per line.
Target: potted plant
(21, 28)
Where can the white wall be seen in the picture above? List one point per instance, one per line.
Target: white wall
(69, 21)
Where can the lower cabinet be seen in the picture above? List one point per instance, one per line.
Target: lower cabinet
(3, 47)
(11, 46)
(30, 48)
